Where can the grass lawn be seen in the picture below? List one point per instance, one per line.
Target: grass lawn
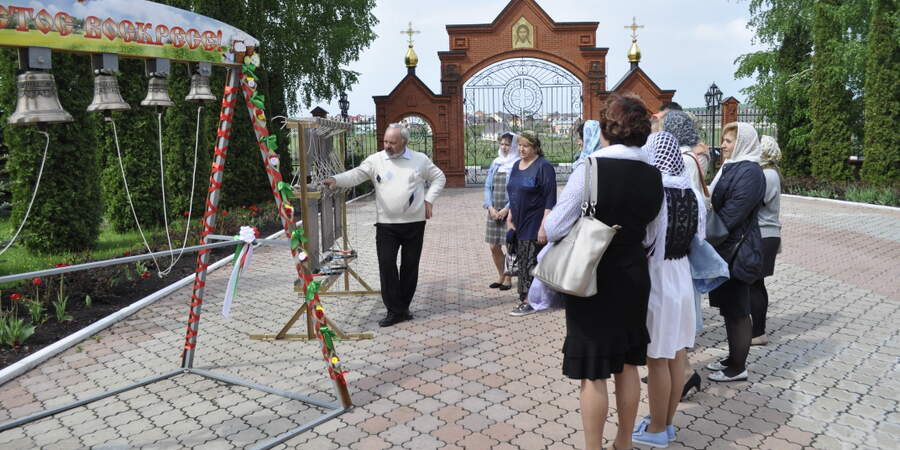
(19, 259)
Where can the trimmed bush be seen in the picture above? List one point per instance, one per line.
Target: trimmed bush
(830, 102)
(882, 138)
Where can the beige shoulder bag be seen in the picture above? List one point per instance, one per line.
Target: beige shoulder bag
(570, 266)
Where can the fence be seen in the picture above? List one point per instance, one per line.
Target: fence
(709, 122)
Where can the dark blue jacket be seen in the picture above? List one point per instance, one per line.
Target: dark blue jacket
(736, 201)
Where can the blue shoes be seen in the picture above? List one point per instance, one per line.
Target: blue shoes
(660, 440)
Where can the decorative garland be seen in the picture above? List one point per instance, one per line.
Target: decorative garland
(283, 192)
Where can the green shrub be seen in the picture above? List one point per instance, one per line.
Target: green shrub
(882, 139)
(830, 102)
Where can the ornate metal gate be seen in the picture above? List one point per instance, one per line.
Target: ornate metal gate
(420, 134)
(520, 94)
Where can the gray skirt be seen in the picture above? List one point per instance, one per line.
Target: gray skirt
(495, 230)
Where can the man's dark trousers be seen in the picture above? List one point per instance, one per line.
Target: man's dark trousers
(398, 288)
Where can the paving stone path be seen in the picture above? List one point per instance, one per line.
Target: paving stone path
(464, 374)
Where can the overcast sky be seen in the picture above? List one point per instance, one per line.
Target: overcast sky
(686, 44)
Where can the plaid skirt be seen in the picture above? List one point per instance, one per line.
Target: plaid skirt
(495, 230)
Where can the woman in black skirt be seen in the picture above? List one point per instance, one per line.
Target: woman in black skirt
(607, 334)
(737, 194)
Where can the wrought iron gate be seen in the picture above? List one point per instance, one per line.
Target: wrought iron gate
(520, 94)
(420, 135)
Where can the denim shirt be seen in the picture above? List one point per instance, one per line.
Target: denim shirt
(489, 185)
(708, 269)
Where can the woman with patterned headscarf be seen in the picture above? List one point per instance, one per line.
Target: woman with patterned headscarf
(770, 230)
(733, 229)
(693, 152)
(671, 319)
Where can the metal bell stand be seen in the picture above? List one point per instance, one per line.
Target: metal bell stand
(236, 80)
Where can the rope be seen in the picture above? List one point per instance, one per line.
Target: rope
(187, 226)
(162, 182)
(128, 193)
(33, 194)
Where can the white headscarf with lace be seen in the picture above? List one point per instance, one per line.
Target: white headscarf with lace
(506, 161)
(746, 148)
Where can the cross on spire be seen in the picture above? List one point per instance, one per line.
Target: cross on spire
(410, 32)
(634, 27)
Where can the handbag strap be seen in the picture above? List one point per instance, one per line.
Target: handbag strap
(589, 195)
(699, 173)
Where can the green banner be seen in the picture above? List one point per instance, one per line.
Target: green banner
(136, 28)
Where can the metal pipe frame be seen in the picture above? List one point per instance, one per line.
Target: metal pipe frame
(112, 262)
(225, 124)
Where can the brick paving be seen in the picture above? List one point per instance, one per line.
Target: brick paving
(464, 374)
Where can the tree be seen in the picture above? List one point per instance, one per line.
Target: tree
(830, 104)
(66, 213)
(294, 71)
(783, 71)
(882, 139)
(782, 74)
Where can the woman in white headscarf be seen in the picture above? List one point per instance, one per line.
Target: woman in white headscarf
(770, 230)
(495, 202)
(671, 318)
(733, 229)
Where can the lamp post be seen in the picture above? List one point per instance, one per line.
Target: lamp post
(713, 99)
(344, 104)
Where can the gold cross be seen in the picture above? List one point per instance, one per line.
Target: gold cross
(634, 27)
(410, 32)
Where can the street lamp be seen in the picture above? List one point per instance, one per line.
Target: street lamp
(713, 96)
(713, 99)
(344, 104)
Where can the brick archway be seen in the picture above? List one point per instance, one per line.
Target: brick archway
(522, 30)
(475, 47)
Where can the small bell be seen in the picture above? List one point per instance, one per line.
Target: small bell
(106, 95)
(37, 100)
(200, 91)
(157, 93)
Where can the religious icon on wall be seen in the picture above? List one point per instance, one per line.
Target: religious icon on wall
(522, 34)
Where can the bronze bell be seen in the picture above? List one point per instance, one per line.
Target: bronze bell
(157, 93)
(200, 91)
(37, 100)
(106, 95)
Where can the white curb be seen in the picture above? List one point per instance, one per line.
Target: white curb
(843, 202)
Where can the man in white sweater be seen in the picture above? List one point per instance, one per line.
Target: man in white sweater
(403, 205)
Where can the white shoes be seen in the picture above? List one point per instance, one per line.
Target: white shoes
(720, 376)
(716, 366)
(759, 340)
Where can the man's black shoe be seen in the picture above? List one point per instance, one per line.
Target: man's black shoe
(393, 319)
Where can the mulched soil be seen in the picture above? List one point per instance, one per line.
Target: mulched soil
(105, 298)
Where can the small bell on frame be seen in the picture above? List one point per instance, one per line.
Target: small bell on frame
(158, 88)
(106, 87)
(200, 91)
(37, 101)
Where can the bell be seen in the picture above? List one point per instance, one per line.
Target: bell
(200, 91)
(157, 93)
(37, 101)
(106, 95)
